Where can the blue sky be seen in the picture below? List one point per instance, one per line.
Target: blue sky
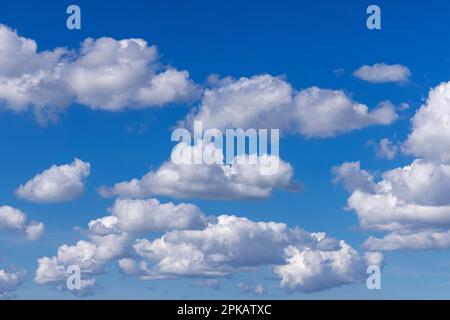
(302, 42)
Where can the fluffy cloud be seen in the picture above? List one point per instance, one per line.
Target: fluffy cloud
(51, 271)
(314, 270)
(430, 136)
(327, 113)
(269, 102)
(228, 244)
(410, 203)
(27, 77)
(410, 240)
(34, 230)
(421, 183)
(104, 74)
(242, 179)
(110, 237)
(149, 216)
(381, 73)
(10, 281)
(57, 184)
(233, 244)
(193, 245)
(413, 196)
(112, 75)
(15, 220)
(256, 102)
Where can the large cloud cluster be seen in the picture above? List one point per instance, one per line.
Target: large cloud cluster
(110, 237)
(114, 74)
(153, 240)
(411, 203)
(195, 245)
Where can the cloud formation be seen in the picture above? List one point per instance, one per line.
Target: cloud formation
(313, 270)
(110, 237)
(382, 73)
(430, 135)
(15, 220)
(410, 203)
(193, 245)
(103, 74)
(10, 281)
(113, 75)
(240, 180)
(265, 101)
(386, 149)
(56, 184)
(246, 288)
(411, 197)
(234, 244)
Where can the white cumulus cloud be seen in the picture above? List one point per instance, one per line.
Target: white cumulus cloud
(264, 101)
(15, 220)
(234, 244)
(111, 237)
(241, 179)
(10, 281)
(313, 270)
(193, 245)
(56, 184)
(104, 74)
(430, 135)
(410, 203)
(410, 240)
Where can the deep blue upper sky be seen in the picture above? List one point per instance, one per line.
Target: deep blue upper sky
(304, 41)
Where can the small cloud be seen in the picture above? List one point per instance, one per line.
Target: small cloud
(404, 106)
(10, 280)
(248, 289)
(15, 220)
(141, 127)
(208, 283)
(259, 290)
(338, 72)
(382, 73)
